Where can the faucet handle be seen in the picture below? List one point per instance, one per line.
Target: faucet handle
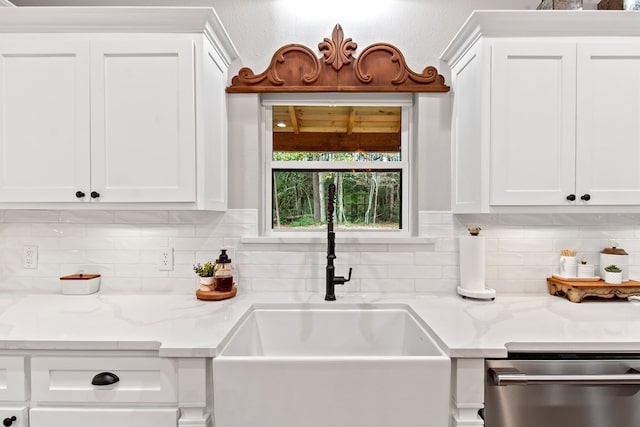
(340, 280)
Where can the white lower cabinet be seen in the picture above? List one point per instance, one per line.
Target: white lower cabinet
(97, 417)
(105, 389)
(14, 416)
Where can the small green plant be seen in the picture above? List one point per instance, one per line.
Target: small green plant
(204, 270)
(612, 268)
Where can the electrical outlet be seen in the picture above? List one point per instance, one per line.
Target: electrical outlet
(165, 261)
(30, 257)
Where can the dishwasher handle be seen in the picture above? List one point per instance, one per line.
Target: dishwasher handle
(512, 376)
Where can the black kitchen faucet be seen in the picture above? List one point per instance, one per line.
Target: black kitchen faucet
(332, 279)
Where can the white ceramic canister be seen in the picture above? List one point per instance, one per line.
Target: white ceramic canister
(616, 256)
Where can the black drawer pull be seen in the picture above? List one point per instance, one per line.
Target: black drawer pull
(8, 421)
(105, 378)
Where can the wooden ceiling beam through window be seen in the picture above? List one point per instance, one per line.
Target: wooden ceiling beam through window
(352, 117)
(380, 67)
(337, 142)
(294, 119)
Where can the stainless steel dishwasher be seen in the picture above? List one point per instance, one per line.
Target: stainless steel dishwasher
(563, 390)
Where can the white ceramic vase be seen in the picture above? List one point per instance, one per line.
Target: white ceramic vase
(612, 277)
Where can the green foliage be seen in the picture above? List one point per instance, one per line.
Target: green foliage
(305, 221)
(612, 268)
(296, 202)
(205, 270)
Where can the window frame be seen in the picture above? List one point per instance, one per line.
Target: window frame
(402, 100)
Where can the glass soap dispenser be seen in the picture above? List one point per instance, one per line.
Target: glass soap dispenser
(223, 273)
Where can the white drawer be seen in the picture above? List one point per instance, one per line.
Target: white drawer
(95, 417)
(12, 378)
(68, 379)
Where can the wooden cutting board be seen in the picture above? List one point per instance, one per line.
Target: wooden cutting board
(576, 291)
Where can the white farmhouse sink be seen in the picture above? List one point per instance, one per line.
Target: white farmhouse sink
(331, 366)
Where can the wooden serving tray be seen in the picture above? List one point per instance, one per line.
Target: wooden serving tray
(215, 295)
(576, 291)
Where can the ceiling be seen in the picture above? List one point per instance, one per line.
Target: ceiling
(336, 128)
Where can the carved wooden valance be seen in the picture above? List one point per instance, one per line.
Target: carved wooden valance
(379, 68)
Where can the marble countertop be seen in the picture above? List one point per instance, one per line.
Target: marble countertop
(179, 325)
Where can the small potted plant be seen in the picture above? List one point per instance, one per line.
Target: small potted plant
(205, 271)
(613, 274)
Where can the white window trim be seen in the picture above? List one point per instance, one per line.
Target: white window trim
(403, 100)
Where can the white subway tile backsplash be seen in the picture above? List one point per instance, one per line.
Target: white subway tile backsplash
(436, 258)
(88, 243)
(86, 217)
(278, 258)
(373, 272)
(173, 230)
(387, 285)
(51, 243)
(439, 286)
(301, 271)
(414, 271)
(112, 257)
(60, 256)
(168, 285)
(7, 229)
(379, 258)
(120, 284)
(141, 243)
(212, 244)
(521, 251)
(141, 217)
(525, 245)
(196, 217)
(31, 216)
(268, 284)
(58, 230)
(113, 230)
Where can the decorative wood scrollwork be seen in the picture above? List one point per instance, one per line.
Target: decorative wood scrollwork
(380, 68)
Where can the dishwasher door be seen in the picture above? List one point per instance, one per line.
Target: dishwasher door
(562, 393)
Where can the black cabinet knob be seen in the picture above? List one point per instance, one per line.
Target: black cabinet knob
(79, 194)
(571, 197)
(585, 197)
(95, 194)
(8, 421)
(105, 378)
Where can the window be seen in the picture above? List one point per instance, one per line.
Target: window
(361, 147)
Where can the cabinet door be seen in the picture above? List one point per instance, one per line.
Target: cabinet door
(44, 120)
(533, 92)
(608, 123)
(143, 121)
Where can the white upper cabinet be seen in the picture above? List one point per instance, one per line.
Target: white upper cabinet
(143, 121)
(112, 108)
(608, 129)
(532, 123)
(546, 110)
(44, 120)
